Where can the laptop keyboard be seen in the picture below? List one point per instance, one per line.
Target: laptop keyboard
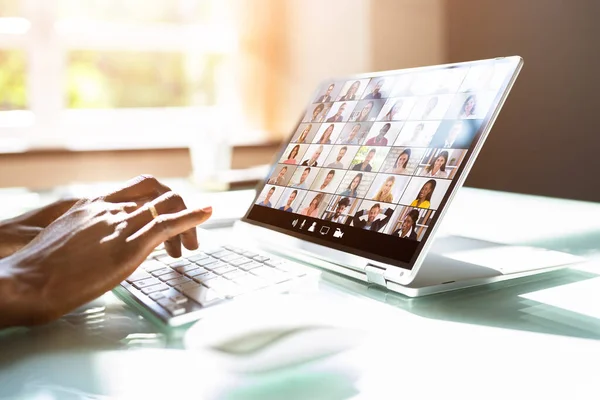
(172, 287)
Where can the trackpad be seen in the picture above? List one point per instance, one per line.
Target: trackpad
(511, 259)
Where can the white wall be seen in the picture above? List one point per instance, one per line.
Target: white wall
(341, 37)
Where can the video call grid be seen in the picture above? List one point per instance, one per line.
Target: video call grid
(329, 135)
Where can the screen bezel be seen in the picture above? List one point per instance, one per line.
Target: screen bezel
(406, 270)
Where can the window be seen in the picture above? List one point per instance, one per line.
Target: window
(113, 73)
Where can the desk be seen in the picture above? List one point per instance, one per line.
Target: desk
(534, 337)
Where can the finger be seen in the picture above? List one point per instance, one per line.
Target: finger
(141, 187)
(167, 203)
(166, 226)
(173, 246)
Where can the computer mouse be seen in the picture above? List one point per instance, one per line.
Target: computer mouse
(274, 335)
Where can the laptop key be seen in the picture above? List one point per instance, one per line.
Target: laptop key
(274, 263)
(138, 275)
(154, 288)
(213, 266)
(156, 295)
(261, 259)
(222, 253)
(171, 306)
(203, 295)
(213, 251)
(185, 268)
(206, 261)
(198, 257)
(249, 254)
(167, 259)
(251, 265)
(162, 271)
(169, 276)
(178, 281)
(223, 270)
(152, 265)
(195, 272)
(230, 258)
(234, 274)
(205, 277)
(179, 263)
(240, 261)
(145, 282)
(233, 248)
(187, 285)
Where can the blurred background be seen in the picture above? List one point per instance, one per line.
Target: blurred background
(101, 90)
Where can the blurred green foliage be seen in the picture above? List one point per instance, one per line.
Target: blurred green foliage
(122, 79)
(12, 80)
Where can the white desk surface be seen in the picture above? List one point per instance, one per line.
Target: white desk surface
(535, 337)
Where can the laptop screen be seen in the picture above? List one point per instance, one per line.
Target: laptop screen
(375, 158)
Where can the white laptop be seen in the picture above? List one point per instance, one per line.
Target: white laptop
(359, 188)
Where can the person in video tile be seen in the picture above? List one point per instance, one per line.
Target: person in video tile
(280, 178)
(312, 161)
(365, 112)
(338, 215)
(380, 139)
(468, 108)
(301, 184)
(376, 93)
(395, 109)
(304, 134)
(327, 180)
(351, 92)
(429, 107)
(408, 229)
(338, 116)
(353, 137)
(338, 161)
(288, 205)
(292, 156)
(326, 138)
(317, 112)
(437, 169)
(267, 201)
(313, 208)
(352, 189)
(365, 165)
(385, 192)
(454, 133)
(423, 199)
(401, 163)
(326, 98)
(370, 221)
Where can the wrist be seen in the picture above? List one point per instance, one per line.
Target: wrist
(18, 305)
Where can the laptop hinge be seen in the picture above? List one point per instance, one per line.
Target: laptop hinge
(375, 275)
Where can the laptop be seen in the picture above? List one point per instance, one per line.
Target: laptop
(359, 188)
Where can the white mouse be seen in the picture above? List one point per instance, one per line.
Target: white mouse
(258, 337)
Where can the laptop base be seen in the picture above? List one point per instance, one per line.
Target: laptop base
(456, 262)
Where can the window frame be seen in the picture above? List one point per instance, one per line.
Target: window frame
(46, 45)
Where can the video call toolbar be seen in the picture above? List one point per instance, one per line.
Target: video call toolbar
(379, 154)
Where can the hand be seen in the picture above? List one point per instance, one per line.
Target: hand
(89, 250)
(17, 232)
